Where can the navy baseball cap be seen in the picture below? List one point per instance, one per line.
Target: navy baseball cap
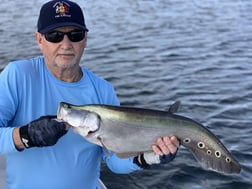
(60, 13)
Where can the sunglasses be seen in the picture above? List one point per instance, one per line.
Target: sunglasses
(57, 36)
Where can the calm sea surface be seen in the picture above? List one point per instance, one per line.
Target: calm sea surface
(156, 52)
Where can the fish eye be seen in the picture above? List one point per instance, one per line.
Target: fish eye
(209, 152)
(65, 105)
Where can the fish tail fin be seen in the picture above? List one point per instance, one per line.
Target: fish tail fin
(217, 159)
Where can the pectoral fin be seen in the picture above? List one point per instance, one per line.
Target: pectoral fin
(104, 147)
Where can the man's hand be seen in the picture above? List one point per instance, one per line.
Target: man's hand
(164, 151)
(166, 145)
(44, 131)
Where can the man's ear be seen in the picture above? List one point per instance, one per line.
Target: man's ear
(85, 40)
(39, 37)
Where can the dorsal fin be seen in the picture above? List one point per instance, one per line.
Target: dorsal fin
(174, 107)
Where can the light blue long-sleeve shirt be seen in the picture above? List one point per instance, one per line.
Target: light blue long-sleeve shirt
(27, 91)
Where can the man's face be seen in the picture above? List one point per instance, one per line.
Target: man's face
(64, 54)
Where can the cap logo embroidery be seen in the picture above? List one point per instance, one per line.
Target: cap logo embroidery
(62, 9)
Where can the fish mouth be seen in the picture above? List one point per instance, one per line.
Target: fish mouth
(86, 132)
(92, 132)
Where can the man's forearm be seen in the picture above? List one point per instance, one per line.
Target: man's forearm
(17, 139)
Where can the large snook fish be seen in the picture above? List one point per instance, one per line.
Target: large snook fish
(130, 131)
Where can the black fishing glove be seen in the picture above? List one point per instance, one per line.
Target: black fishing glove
(150, 158)
(44, 131)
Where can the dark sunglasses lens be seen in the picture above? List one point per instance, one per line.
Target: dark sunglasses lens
(76, 35)
(54, 36)
(57, 36)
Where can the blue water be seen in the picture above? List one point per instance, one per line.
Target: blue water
(156, 52)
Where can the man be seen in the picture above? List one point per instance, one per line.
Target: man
(41, 152)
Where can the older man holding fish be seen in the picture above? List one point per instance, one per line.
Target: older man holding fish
(42, 152)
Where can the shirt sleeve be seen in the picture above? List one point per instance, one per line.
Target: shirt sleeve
(8, 105)
(118, 165)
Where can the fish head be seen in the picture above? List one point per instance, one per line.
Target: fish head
(83, 122)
